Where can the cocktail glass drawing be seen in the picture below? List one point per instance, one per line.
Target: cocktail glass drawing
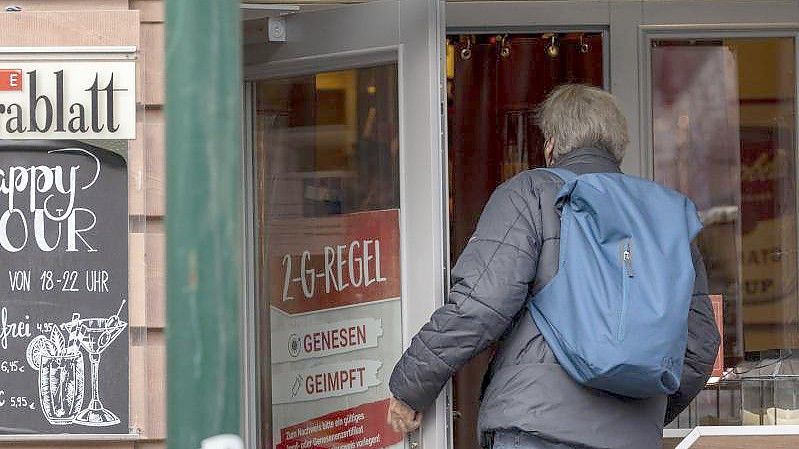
(61, 387)
(95, 336)
(61, 379)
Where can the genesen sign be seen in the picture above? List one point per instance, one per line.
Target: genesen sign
(67, 99)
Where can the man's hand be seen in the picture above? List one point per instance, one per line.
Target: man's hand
(402, 418)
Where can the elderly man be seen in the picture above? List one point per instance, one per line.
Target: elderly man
(528, 400)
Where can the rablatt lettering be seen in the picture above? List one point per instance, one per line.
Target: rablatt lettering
(45, 110)
(35, 101)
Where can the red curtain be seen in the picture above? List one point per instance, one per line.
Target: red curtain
(493, 96)
(498, 82)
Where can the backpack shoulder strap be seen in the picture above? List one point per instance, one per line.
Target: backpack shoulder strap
(562, 173)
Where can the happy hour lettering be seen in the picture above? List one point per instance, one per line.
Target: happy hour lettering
(38, 197)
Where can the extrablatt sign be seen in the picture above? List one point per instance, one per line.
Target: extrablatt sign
(10, 79)
(67, 99)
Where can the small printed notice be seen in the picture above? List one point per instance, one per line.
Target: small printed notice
(63, 288)
(335, 329)
(363, 426)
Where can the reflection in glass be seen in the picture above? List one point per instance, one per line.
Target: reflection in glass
(327, 215)
(723, 127)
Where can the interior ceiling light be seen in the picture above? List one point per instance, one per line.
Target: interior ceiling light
(584, 48)
(553, 50)
(504, 45)
(466, 52)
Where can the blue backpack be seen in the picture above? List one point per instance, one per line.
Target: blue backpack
(616, 312)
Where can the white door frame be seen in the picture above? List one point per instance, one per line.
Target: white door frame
(410, 34)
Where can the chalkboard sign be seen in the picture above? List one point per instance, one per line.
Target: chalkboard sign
(63, 288)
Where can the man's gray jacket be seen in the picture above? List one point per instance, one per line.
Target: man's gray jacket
(512, 254)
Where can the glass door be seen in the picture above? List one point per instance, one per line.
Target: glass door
(347, 222)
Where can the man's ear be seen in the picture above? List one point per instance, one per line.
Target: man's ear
(549, 148)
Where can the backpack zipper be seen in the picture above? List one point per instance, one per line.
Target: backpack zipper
(628, 259)
(627, 275)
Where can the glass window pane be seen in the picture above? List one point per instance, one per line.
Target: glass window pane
(327, 182)
(723, 123)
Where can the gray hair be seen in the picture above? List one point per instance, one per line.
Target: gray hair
(576, 116)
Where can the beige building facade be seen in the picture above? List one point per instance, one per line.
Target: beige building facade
(369, 119)
(137, 25)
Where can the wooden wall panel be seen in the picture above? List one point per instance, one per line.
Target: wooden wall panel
(137, 280)
(152, 53)
(69, 5)
(148, 385)
(154, 162)
(151, 445)
(151, 11)
(154, 182)
(156, 278)
(136, 190)
(138, 386)
(69, 28)
(156, 386)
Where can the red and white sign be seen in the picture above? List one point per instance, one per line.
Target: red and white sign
(325, 339)
(329, 262)
(10, 79)
(336, 328)
(325, 381)
(363, 426)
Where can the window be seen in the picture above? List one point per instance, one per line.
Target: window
(723, 130)
(327, 195)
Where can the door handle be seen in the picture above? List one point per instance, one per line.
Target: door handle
(415, 439)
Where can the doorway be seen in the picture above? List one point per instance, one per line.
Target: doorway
(495, 82)
(344, 220)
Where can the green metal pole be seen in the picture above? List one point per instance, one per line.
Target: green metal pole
(204, 219)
